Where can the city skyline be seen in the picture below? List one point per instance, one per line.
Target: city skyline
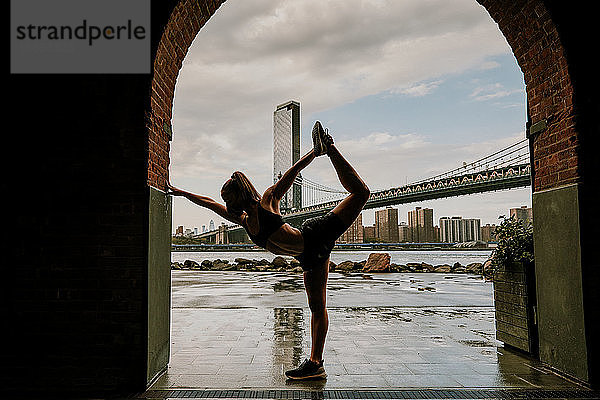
(403, 103)
(421, 227)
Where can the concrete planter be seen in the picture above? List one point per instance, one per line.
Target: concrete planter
(515, 303)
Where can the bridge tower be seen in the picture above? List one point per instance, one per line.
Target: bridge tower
(286, 150)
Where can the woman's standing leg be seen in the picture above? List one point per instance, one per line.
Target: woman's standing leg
(315, 282)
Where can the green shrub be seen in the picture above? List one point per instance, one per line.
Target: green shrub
(515, 243)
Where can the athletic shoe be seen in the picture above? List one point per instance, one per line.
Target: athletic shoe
(307, 370)
(318, 136)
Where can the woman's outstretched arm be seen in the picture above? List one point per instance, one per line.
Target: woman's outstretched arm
(206, 202)
(280, 188)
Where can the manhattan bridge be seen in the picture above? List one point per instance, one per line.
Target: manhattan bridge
(507, 168)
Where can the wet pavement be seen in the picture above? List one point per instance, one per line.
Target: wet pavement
(238, 330)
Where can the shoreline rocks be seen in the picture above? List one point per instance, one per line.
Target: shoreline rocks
(376, 263)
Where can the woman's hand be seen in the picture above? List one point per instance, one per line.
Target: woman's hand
(172, 190)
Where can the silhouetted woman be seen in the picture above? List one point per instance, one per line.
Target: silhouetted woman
(311, 245)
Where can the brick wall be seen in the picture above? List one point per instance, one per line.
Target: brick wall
(184, 24)
(76, 285)
(534, 39)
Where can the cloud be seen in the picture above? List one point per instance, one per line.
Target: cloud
(418, 89)
(252, 55)
(492, 92)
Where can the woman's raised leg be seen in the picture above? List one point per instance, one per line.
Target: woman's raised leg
(352, 205)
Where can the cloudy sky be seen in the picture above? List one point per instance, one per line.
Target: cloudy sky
(407, 88)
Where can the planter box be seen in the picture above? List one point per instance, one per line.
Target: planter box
(515, 303)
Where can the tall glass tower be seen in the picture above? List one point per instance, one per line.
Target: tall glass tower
(286, 150)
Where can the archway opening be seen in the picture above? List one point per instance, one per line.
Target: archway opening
(425, 83)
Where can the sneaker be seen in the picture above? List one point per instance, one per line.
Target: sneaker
(318, 136)
(307, 370)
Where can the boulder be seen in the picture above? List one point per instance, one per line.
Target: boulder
(190, 264)
(456, 265)
(345, 266)
(244, 261)
(403, 268)
(176, 265)
(206, 264)
(377, 262)
(218, 265)
(331, 266)
(488, 269)
(427, 267)
(413, 267)
(474, 268)
(358, 266)
(297, 270)
(442, 268)
(279, 262)
(294, 263)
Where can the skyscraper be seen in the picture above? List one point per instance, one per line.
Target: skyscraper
(524, 214)
(369, 233)
(420, 221)
(472, 229)
(459, 230)
(488, 233)
(354, 233)
(403, 232)
(386, 225)
(451, 230)
(286, 150)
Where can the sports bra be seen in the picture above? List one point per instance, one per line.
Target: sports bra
(268, 223)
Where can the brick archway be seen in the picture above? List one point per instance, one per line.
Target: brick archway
(89, 289)
(540, 48)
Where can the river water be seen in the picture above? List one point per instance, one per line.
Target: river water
(433, 257)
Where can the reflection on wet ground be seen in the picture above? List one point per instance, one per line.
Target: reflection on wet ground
(243, 330)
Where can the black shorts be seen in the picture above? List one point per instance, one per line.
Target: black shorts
(320, 234)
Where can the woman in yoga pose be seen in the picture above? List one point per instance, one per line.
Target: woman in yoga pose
(311, 245)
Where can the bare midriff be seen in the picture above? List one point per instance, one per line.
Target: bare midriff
(287, 240)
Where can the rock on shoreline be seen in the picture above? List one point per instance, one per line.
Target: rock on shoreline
(376, 263)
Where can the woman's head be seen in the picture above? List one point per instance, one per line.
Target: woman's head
(239, 193)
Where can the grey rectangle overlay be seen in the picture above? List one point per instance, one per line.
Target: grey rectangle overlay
(80, 37)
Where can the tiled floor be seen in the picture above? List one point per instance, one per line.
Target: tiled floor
(387, 346)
